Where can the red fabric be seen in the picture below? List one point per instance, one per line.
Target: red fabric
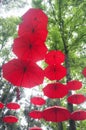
(13, 105)
(84, 72)
(55, 57)
(35, 114)
(56, 114)
(55, 90)
(36, 16)
(35, 128)
(78, 115)
(76, 99)
(10, 119)
(74, 85)
(55, 72)
(22, 73)
(34, 31)
(27, 49)
(1, 105)
(38, 101)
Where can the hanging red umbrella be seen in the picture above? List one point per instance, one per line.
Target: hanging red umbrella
(78, 115)
(35, 128)
(54, 57)
(27, 49)
(13, 105)
(84, 71)
(36, 16)
(56, 114)
(10, 119)
(55, 72)
(22, 73)
(38, 101)
(74, 85)
(55, 90)
(35, 114)
(1, 105)
(33, 30)
(76, 99)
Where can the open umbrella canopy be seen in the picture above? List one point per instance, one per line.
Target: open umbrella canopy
(37, 100)
(56, 114)
(54, 57)
(35, 114)
(76, 99)
(27, 49)
(13, 105)
(10, 119)
(1, 105)
(55, 90)
(35, 128)
(84, 72)
(23, 73)
(36, 16)
(78, 115)
(55, 72)
(74, 85)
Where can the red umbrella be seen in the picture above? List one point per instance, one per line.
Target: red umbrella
(55, 57)
(1, 105)
(27, 49)
(13, 105)
(38, 101)
(74, 85)
(10, 119)
(56, 114)
(78, 115)
(36, 16)
(76, 99)
(55, 90)
(22, 73)
(55, 72)
(35, 128)
(33, 30)
(35, 114)
(84, 72)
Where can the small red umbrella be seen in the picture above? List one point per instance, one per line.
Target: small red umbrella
(35, 128)
(56, 114)
(78, 115)
(27, 49)
(22, 73)
(10, 119)
(13, 105)
(34, 31)
(84, 72)
(1, 105)
(38, 101)
(36, 16)
(55, 72)
(55, 57)
(74, 85)
(55, 90)
(76, 99)
(35, 114)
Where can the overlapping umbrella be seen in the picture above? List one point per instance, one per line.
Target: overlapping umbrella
(37, 100)
(10, 119)
(55, 72)
(54, 57)
(13, 105)
(74, 85)
(76, 98)
(56, 114)
(55, 90)
(35, 128)
(36, 114)
(78, 115)
(22, 73)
